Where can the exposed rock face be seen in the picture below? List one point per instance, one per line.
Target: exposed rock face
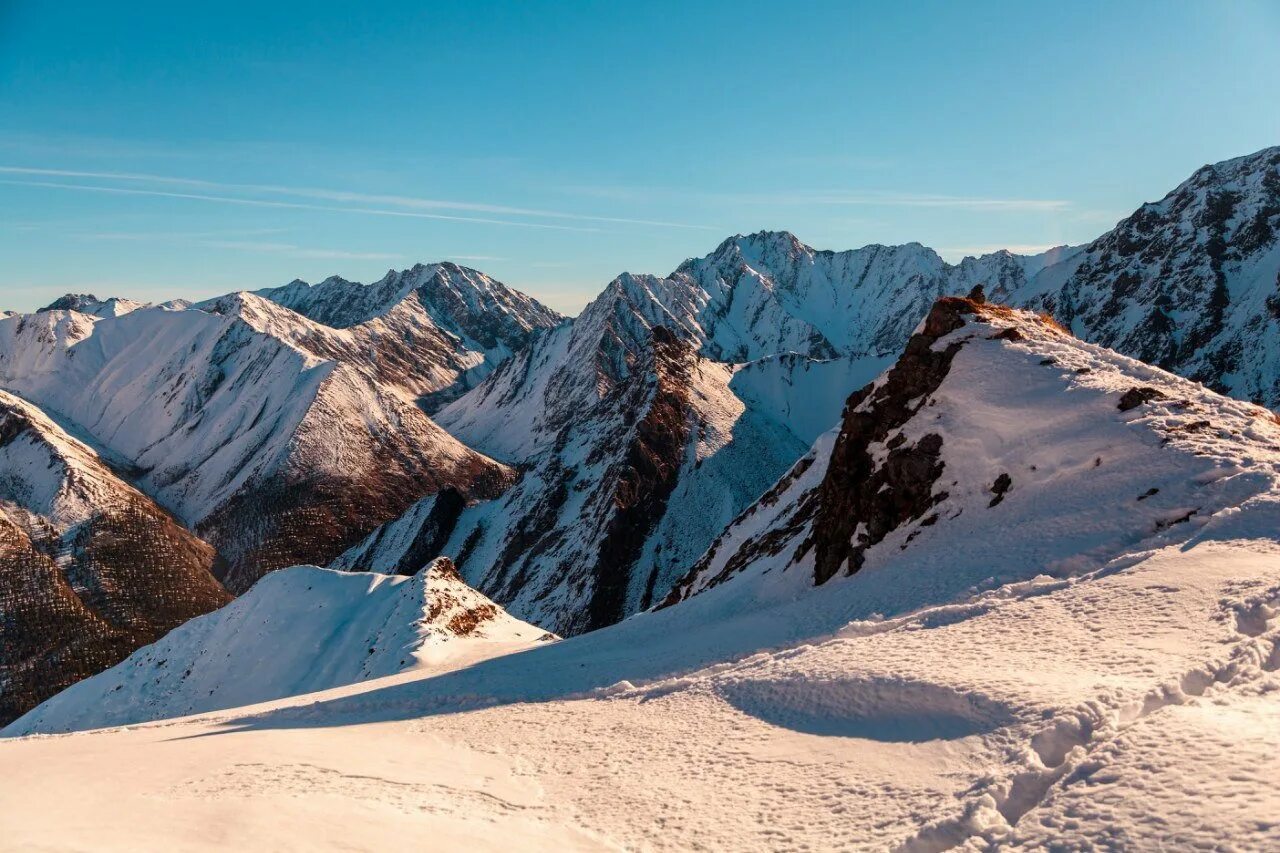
(645, 478)
(1189, 283)
(90, 569)
(872, 499)
(413, 540)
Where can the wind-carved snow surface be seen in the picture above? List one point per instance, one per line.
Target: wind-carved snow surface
(299, 630)
(1089, 660)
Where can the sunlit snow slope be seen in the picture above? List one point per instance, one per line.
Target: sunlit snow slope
(300, 630)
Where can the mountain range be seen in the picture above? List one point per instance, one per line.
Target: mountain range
(580, 471)
(1023, 593)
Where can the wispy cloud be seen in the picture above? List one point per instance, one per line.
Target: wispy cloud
(152, 236)
(235, 240)
(217, 191)
(891, 199)
(252, 202)
(833, 198)
(298, 251)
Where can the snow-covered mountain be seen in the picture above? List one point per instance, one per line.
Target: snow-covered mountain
(1190, 283)
(90, 568)
(300, 630)
(797, 328)
(635, 449)
(998, 439)
(435, 329)
(1061, 629)
(273, 454)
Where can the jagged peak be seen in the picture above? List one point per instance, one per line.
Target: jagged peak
(87, 303)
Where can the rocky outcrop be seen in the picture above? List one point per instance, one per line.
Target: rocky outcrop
(862, 498)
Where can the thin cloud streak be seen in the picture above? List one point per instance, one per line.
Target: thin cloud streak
(345, 196)
(297, 251)
(849, 198)
(943, 201)
(251, 202)
(150, 236)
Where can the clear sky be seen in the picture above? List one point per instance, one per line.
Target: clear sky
(156, 150)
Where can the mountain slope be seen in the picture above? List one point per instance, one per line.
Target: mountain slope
(997, 420)
(635, 453)
(1190, 283)
(272, 454)
(1079, 663)
(301, 630)
(90, 568)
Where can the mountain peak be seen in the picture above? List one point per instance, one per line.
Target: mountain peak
(87, 303)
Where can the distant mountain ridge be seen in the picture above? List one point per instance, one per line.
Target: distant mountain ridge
(457, 320)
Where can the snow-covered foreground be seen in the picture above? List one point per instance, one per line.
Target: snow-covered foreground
(1063, 629)
(1137, 704)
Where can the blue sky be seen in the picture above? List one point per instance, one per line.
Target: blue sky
(156, 150)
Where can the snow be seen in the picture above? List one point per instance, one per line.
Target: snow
(1067, 668)
(204, 408)
(88, 304)
(1086, 658)
(751, 730)
(297, 631)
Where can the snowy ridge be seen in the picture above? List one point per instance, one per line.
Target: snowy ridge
(239, 430)
(436, 329)
(87, 303)
(991, 418)
(300, 630)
